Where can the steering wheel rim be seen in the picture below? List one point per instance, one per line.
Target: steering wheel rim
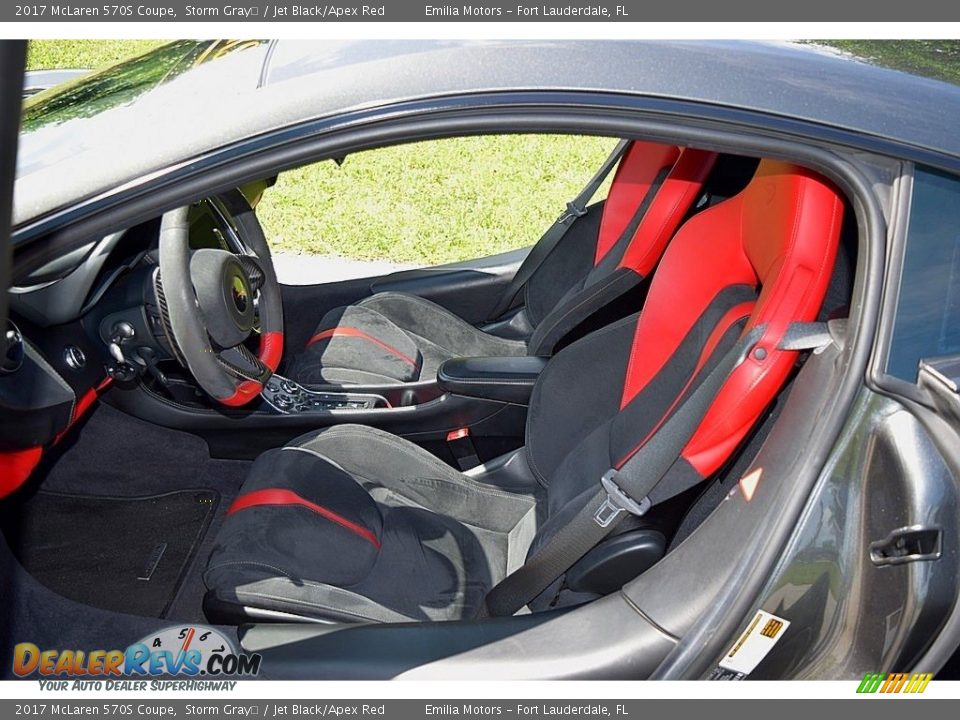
(231, 375)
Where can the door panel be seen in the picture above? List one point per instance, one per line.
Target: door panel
(859, 611)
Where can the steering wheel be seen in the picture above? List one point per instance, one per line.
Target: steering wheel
(213, 298)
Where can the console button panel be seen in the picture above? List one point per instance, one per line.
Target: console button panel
(289, 397)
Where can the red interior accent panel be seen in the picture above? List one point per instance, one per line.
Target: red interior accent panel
(677, 194)
(780, 235)
(635, 174)
(85, 402)
(283, 497)
(356, 333)
(458, 434)
(16, 466)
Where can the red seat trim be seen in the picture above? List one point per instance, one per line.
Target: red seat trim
(806, 211)
(780, 235)
(280, 497)
(729, 319)
(357, 333)
(635, 174)
(677, 194)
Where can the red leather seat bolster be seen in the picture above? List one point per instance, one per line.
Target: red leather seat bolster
(635, 174)
(806, 212)
(677, 194)
(780, 235)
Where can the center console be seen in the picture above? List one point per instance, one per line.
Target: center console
(287, 396)
(507, 379)
(485, 396)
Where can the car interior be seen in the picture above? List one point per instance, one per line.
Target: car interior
(184, 438)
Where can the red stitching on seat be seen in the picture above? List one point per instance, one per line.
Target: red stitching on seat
(282, 497)
(354, 332)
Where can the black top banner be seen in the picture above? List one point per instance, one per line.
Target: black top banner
(499, 11)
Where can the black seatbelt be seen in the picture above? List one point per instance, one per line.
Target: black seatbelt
(641, 476)
(576, 208)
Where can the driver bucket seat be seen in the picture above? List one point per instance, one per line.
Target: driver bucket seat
(354, 524)
(393, 337)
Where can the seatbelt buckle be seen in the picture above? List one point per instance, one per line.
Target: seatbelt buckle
(463, 448)
(617, 501)
(572, 212)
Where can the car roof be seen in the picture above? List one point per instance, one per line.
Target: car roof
(185, 98)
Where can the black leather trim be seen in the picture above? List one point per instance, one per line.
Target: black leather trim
(508, 379)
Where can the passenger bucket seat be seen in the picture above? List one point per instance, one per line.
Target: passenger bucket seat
(394, 337)
(354, 524)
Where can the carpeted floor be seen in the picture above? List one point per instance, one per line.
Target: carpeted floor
(111, 454)
(128, 554)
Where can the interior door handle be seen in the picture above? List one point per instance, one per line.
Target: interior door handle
(907, 544)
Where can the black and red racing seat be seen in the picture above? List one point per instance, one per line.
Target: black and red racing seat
(354, 524)
(394, 337)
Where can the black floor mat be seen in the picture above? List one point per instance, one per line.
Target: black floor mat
(128, 554)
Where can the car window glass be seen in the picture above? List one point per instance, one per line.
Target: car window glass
(423, 204)
(927, 321)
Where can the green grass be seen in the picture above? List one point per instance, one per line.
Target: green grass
(431, 202)
(50, 54)
(938, 59)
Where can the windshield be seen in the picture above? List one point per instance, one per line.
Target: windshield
(100, 128)
(123, 82)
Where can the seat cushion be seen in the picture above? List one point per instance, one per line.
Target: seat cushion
(391, 338)
(355, 524)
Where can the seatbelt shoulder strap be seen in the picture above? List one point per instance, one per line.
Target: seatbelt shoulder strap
(575, 209)
(639, 477)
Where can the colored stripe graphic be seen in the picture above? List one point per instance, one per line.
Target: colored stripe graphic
(894, 683)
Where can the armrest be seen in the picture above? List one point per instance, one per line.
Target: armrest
(507, 379)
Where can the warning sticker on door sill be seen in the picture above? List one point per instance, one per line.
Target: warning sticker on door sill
(763, 632)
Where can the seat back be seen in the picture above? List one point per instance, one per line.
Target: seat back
(780, 235)
(762, 257)
(613, 248)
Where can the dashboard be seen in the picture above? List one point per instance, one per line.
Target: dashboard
(92, 317)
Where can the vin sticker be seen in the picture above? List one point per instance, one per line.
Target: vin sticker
(763, 632)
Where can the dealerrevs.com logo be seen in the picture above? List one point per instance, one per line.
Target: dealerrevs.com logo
(193, 651)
